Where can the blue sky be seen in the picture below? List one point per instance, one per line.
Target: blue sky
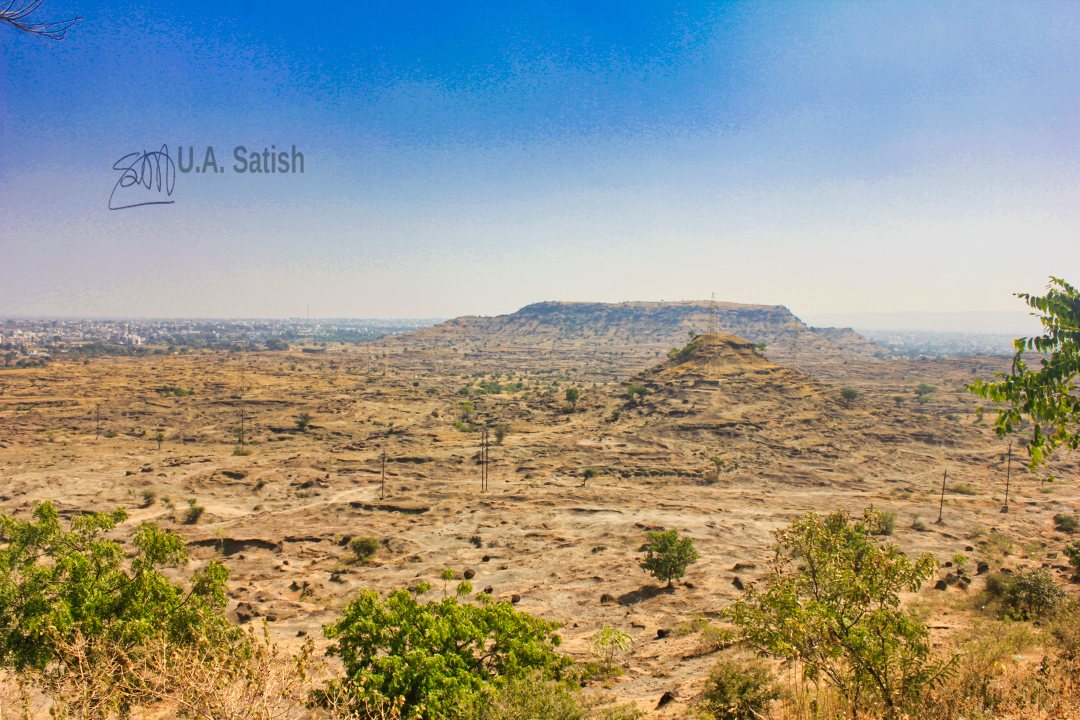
(475, 157)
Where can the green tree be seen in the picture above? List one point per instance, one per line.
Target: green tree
(572, 396)
(1047, 396)
(303, 421)
(832, 603)
(667, 555)
(435, 659)
(849, 395)
(65, 587)
(587, 474)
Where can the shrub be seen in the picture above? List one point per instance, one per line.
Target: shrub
(667, 555)
(1073, 553)
(1027, 595)
(609, 644)
(738, 691)
(572, 396)
(636, 393)
(193, 513)
(363, 548)
(74, 603)
(849, 395)
(531, 698)
(438, 658)
(1065, 629)
(832, 603)
(303, 421)
(1066, 523)
(883, 523)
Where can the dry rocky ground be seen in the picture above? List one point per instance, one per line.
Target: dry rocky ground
(726, 445)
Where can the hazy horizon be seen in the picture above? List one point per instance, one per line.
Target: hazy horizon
(969, 322)
(472, 159)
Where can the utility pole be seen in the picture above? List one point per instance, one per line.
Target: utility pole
(241, 426)
(97, 420)
(382, 489)
(1008, 478)
(941, 504)
(484, 459)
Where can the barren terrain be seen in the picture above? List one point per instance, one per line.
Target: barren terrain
(727, 442)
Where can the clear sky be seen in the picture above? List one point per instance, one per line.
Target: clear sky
(470, 158)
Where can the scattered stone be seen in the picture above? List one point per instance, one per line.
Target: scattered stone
(515, 599)
(982, 568)
(667, 698)
(941, 585)
(607, 598)
(469, 574)
(738, 583)
(488, 590)
(662, 633)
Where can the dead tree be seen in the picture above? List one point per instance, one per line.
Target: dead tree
(19, 14)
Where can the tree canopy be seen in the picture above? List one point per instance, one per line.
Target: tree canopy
(832, 602)
(1045, 395)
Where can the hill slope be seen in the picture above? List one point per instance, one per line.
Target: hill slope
(632, 335)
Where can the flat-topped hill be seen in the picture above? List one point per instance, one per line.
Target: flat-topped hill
(632, 335)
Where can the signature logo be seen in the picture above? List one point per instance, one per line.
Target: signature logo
(146, 178)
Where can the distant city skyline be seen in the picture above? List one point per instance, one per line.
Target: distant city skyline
(834, 158)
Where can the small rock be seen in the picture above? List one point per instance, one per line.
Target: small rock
(668, 697)
(738, 583)
(469, 574)
(662, 633)
(515, 599)
(607, 598)
(982, 568)
(488, 590)
(941, 585)
(486, 558)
